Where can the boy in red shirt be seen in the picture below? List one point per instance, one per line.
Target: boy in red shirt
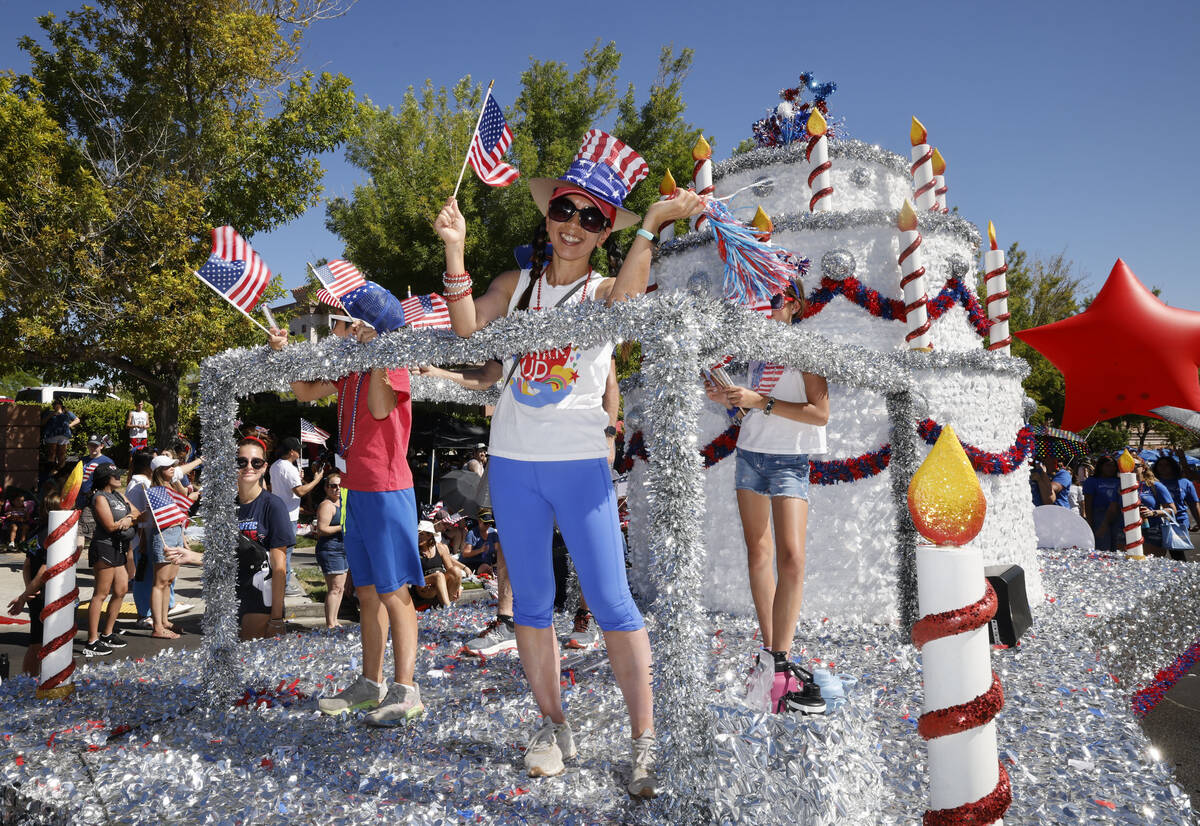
(374, 422)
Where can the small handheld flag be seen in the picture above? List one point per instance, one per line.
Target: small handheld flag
(312, 434)
(339, 277)
(425, 311)
(165, 507)
(490, 141)
(235, 271)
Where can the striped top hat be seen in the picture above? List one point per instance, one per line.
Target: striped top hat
(605, 169)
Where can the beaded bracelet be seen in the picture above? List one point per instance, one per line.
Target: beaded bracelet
(452, 297)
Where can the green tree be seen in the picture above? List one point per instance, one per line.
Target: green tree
(140, 127)
(412, 157)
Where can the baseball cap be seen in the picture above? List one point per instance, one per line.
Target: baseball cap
(290, 443)
(425, 526)
(162, 461)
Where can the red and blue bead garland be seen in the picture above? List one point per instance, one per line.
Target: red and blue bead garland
(983, 461)
(892, 309)
(1146, 698)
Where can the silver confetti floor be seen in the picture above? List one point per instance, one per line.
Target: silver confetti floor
(1073, 748)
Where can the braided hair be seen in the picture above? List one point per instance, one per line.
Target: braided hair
(537, 261)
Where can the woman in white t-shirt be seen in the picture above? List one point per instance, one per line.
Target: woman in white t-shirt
(786, 413)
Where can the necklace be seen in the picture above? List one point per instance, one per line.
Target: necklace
(343, 445)
(583, 293)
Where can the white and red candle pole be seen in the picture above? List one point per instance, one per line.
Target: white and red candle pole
(820, 183)
(967, 783)
(938, 163)
(61, 593)
(912, 281)
(1131, 507)
(666, 188)
(996, 286)
(922, 167)
(702, 176)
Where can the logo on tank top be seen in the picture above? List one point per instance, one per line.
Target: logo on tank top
(547, 377)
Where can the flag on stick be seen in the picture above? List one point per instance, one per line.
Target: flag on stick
(235, 271)
(165, 507)
(490, 141)
(312, 434)
(424, 311)
(326, 297)
(340, 277)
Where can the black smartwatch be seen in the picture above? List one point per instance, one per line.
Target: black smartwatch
(610, 431)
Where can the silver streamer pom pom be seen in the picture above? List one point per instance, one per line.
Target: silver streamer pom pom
(763, 186)
(699, 284)
(959, 267)
(838, 264)
(860, 176)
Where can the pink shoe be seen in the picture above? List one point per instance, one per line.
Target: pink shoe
(785, 682)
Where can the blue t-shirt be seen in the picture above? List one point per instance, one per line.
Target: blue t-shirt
(1063, 477)
(89, 469)
(1154, 496)
(59, 424)
(1104, 490)
(1182, 492)
(266, 520)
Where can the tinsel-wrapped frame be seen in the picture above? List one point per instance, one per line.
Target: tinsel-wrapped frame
(680, 334)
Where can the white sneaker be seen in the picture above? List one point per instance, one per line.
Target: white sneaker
(180, 608)
(642, 780)
(547, 748)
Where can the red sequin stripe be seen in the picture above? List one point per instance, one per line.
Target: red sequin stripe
(59, 678)
(924, 328)
(956, 621)
(909, 250)
(821, 193)
(926, 158)
(62, 565)
(942, 722)
(940, 193)
(987, 809)
(61, 531)
(61, 602)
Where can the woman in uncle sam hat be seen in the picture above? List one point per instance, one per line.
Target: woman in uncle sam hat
(549, 446)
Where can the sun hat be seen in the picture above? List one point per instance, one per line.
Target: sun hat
(605, 170)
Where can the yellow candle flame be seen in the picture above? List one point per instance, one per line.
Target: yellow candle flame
(762, 221)
(1126, 463)
(907, 220)
(939, 163)
(667, 185)
(71, 487)
(992, 235)
(816, 123)
(944, 497)
(701, 151)
(917, 133)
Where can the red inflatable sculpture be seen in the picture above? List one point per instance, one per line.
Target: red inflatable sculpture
(1127, 353)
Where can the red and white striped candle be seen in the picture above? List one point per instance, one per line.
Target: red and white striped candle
(1131, 507)
(820, 182)
(666, 188)
(702, 176)
(912, 281)
(61, 594)
(996, 285)
(922, 167)
(938, 163)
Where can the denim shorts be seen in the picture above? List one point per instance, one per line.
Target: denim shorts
(772, 474)
(171, 537)
(331, 556)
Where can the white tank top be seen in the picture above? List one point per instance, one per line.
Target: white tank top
(775, 434)
(551, 411)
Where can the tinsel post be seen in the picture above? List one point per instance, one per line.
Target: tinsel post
(820, 183)
(218, 407)
(902, 419)
(702, 176)
(996, 285)
(1131, 504)
(58, 615)
(912, 281)
(939, 180)
(967, 783)
(922, 168)
(670, 363)
(666, 188)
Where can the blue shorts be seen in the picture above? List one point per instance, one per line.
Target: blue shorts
(381, 539)
(171, 537)
(331, 556)
(528, 498)
(772, 474)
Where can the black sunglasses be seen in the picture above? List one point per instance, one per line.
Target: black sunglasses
(779, 299)
(257, 464)
(590, 218)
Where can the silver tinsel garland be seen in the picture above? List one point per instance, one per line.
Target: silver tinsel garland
(680, 334)
(839, 151)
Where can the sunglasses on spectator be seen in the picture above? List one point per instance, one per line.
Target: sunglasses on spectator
(590, 218)
(257, 464)
(779, 299)
(332, 485)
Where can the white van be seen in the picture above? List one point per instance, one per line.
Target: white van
(47, 393)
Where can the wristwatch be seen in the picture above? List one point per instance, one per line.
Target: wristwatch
(769, 405)
(610, 431)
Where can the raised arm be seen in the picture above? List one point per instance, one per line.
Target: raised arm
(469, 314)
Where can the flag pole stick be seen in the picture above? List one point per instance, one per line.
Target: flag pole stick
(478, 120)
(231, 304)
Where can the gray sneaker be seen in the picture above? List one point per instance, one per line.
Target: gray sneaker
(359, 694)
(585, 634)
(642, 780)
(401, 705)
(294, 588)
(496, 637)
(547, 748)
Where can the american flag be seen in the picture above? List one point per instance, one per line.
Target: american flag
(312, 434)
(235, 270)
(166, 508)
(326, 297)
(426, 311)
(340, 277)
(601, 147)
(91, 466)
(764, 375)
(490, 142)
(261, 431)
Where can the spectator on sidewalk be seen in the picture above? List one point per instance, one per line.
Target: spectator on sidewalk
(1050, 482)
(1183, 492)
(161, 540)
(287, 484)
(17, 517)
(331, 552)
(109, 558)
(56, 433)
(137, 422)
(443, 575)
(1102, 505)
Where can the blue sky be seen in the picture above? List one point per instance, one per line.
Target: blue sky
(1069, 124)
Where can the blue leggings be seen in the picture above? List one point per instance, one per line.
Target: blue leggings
(527, 499)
